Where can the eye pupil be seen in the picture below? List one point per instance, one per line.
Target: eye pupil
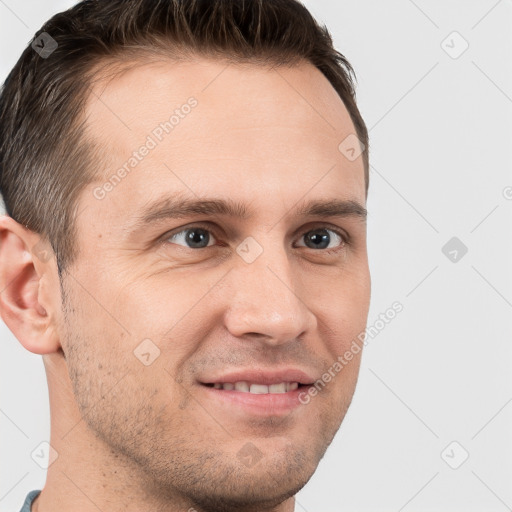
(319, 239)
(196, 236)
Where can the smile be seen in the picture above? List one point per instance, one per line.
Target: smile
(257, 389)
(246, 393)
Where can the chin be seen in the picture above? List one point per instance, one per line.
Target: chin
(222, 481)
(254, 490)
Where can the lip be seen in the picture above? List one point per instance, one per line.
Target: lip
(262, 405)
(260, 376)
(268, 404)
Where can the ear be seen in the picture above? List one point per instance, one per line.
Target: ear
(27, 263)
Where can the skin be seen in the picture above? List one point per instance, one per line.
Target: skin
(133, 437)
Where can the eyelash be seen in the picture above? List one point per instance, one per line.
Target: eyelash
(345, 239)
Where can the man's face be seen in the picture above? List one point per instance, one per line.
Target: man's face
(164, 315)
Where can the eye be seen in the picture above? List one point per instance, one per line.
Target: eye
(195, 237)
(199, 237)
(321, 239)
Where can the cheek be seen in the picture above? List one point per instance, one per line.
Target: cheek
(118, 394)
(98, 347)
(169, 314)
(95, 362)
(344, 309)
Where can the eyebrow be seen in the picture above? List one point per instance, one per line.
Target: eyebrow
(176, 208)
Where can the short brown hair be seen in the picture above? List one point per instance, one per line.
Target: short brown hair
(45, 159)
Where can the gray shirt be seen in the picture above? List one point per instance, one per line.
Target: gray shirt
(31, 496)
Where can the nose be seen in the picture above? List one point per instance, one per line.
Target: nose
(267, 303)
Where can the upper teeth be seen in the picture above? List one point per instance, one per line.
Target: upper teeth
(247, 387)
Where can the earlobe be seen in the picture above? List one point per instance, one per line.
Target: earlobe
(20, 282)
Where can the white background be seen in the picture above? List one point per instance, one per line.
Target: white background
(441, 153)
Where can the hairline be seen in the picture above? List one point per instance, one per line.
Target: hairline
(108, 69)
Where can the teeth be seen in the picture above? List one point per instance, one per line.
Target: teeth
(257, 389)
(277, 388)
(242, 386)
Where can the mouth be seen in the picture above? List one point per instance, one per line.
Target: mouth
(255, 388)
(257, 392)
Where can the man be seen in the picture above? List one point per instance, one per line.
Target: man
(185, 246)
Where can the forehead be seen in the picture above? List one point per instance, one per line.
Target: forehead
(216, 128)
